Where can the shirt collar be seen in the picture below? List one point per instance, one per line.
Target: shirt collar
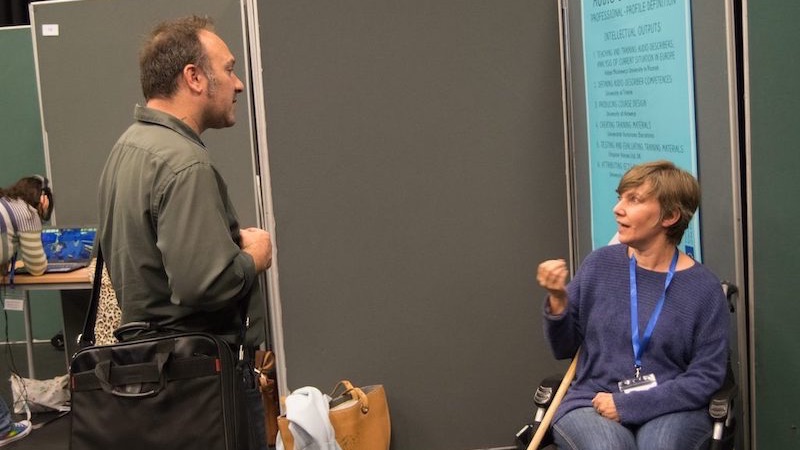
(154, 116)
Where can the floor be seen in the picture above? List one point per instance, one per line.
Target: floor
(52, 432)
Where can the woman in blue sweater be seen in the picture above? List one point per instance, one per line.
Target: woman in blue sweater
(643, 383)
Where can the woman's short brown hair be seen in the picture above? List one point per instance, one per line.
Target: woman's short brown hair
(676, 190)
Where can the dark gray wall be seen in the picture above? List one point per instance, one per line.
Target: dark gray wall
(418, 178)
(89, 81)
(719, 172)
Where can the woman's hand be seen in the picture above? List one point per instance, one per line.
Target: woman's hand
(603, 403)
(552, 275)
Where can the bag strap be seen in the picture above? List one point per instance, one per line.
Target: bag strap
(354, 393)
(264, 361)
(345, 384)
(87, 338)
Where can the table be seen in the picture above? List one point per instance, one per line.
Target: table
(70, 281)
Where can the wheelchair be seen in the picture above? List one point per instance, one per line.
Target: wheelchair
(720, 408)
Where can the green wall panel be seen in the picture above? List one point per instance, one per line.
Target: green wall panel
(21, 154)
(774, 63)
(21, 148)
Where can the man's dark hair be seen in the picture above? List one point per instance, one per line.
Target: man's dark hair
(168, 49)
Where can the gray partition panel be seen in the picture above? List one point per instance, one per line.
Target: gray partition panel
(417, 164)
(89, 83)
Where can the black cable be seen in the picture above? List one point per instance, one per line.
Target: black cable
(12, 366)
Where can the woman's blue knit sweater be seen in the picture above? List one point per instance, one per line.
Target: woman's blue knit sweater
(687, 352)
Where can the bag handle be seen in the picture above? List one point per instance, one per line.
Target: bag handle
(103, 373)
(354, 392)
(263, 364)
(140, 329)
(135, 374)
(265, 361)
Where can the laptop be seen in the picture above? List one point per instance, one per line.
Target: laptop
(67, 249)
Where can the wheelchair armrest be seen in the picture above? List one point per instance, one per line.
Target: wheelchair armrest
(547, 390)
(721, 401)
(542, 399)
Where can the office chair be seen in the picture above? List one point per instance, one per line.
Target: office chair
(720, 407)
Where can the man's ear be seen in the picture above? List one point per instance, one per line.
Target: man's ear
(194, 78)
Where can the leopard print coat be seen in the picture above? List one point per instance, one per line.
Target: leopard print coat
(109, 315)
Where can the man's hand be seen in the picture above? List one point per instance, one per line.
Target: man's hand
(258, 244)
(552, 275)
(603, 403)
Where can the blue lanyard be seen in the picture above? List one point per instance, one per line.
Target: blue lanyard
(639, 346)
(12, 270)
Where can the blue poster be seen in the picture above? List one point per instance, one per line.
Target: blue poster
(639, 98)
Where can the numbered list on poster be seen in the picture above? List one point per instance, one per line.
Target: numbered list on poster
(640, 95)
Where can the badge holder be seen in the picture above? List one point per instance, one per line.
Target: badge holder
(638, 383)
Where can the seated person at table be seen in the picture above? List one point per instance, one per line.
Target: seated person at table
(23, 207)
(643, 383)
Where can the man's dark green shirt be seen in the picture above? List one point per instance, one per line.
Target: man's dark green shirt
(169, 232)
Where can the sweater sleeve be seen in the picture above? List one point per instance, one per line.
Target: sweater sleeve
(29, 238)
(31, 251)
(563, 331)
(703, 375)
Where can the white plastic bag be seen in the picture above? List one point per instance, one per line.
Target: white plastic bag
(40, 395)
(307, 411)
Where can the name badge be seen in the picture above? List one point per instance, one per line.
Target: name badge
(642, 383)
